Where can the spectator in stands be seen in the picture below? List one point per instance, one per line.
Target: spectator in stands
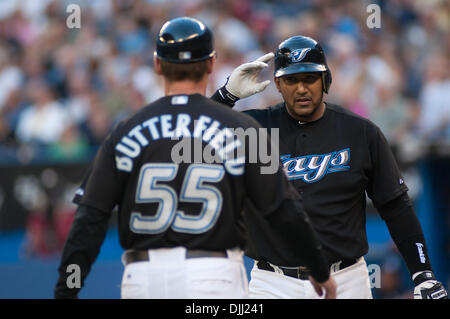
(45, 119)
(434, 120)
(98, 123)
(392, 113)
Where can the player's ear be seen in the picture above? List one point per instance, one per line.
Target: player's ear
(157, 65)
(277, 83)
(211, 63)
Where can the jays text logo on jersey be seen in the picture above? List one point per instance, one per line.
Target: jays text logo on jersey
(312, 168)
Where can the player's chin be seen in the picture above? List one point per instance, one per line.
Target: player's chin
(304, 110)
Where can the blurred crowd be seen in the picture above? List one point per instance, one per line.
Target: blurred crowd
(62, 89)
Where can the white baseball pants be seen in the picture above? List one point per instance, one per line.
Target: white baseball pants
(168, 274)
(352, 282)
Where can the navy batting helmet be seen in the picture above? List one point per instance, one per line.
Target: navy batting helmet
(302, 54)
(184, 40)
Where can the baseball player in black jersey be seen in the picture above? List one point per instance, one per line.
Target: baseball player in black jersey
(333, 158)
(181, 223)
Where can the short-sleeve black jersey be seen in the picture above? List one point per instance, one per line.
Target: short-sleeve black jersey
(333, 162)
(165, 202)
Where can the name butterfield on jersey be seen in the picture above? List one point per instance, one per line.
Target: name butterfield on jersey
(232, 147)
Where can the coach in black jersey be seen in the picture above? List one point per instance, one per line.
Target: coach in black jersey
(333, 157)
(182, 222)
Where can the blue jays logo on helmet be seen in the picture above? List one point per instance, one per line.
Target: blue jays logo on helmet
(299, 54)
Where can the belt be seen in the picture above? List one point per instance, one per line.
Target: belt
(303, 272)
(132, 256)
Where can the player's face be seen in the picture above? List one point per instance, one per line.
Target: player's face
(302, 93)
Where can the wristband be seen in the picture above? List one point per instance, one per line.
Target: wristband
(422, 277)
(226, 95)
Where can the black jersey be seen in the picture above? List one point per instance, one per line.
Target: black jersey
(333, 162)
(162, 203)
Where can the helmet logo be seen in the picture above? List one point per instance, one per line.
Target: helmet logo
(184, 55)
(299, 54)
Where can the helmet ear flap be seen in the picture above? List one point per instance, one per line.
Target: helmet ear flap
(326, 80)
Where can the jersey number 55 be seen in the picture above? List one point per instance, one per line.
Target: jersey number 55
(150, 189)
